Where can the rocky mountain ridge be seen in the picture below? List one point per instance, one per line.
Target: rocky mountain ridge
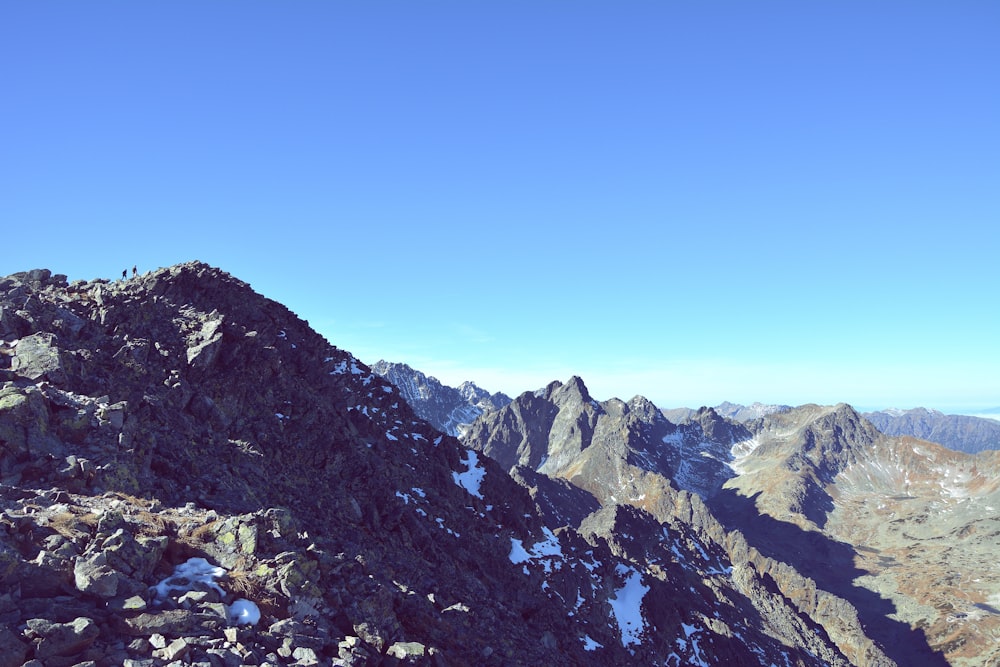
(448, 409)
(732, 411)
(192, 476)
(815, 493)
(962, 433)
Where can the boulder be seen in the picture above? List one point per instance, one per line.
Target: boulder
(12, 649)
(38, 357)
(63, 639)
(93, 575)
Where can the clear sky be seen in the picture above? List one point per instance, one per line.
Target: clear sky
(787, 202)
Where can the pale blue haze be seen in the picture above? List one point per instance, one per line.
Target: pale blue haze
(694, 201)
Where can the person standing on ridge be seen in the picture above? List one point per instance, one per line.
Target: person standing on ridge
(134, 271)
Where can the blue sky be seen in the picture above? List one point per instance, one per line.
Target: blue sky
(778, 201)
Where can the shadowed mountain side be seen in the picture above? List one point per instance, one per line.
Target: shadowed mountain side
(671, 552)
(559, 502)
(831, 565)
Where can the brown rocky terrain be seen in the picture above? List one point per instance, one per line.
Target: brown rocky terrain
(887, 542)
(922, 518)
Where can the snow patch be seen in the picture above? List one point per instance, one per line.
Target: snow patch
(187, 575)
(626, 606)
(548, 552)
(472, 478)
(198, 571)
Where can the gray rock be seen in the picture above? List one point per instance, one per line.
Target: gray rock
(12, 649)
(204, 346)
(407, 650)
(305, 656)
(130, 604)
(63, 639)
(224, 657)
(37, 357)
(172, 623)
(175, 649)
(93, 575)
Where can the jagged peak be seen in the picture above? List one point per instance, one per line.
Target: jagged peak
(645, 408)
(575, 387)
(545, 392)
(706, 411)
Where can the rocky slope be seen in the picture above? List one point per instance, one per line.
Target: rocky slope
(959, 432)
(894, 536)
(189, 475)
(628, 454)
(921, 519)
(448, 409)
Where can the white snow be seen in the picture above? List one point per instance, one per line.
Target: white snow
(471, 479)
(626, 606)
(341, 368)
(590, 645)
(186, 575)
(548, 551)
(517, 552)
(244, 612)
(199, 571)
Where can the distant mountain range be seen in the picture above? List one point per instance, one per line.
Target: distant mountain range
(734, 411)
(449, 409)
(959, 432)
(963, 433)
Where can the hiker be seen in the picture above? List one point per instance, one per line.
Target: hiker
(124, 274)
(134, 270)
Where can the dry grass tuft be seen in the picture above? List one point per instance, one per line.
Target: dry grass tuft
(71, 526)
(204, 533)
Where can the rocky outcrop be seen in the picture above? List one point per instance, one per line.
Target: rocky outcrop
(449, 410)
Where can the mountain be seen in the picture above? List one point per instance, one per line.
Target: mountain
(920, 521)
(959, 432)
(448, 409)
(192, 475)
(627, 453)
(744, 413)
(733, 411)
(887, 543)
